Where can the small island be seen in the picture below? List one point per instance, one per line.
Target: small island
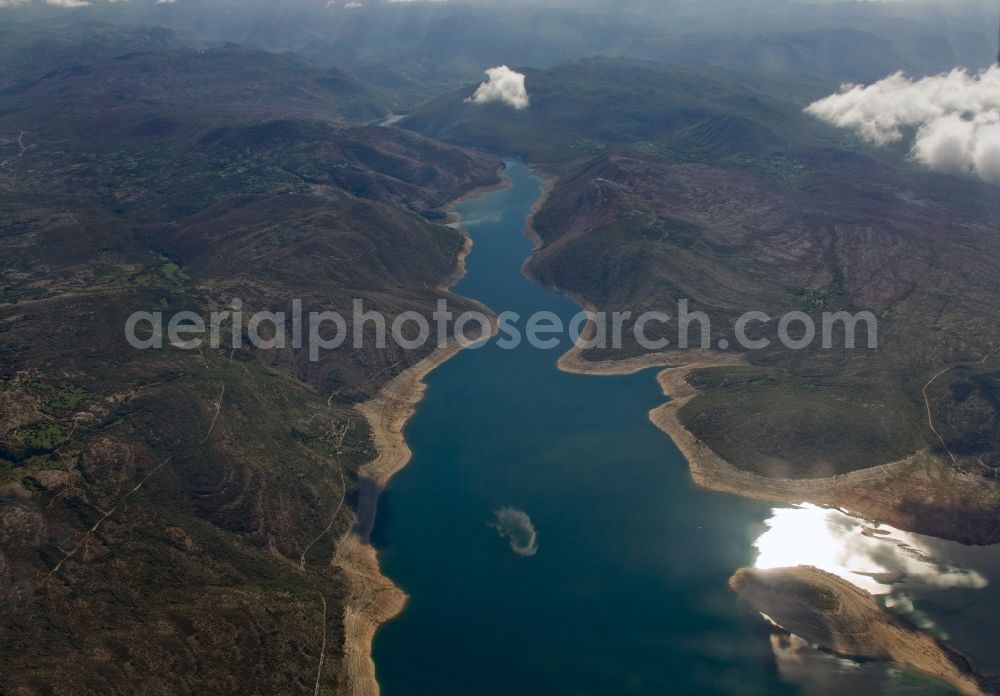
(837, 616)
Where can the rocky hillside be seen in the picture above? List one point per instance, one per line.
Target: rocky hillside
(680, 182)
(168, 517)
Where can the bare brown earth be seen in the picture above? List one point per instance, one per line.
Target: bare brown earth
(834, 614)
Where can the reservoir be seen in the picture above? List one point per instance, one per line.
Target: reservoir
(611, 573)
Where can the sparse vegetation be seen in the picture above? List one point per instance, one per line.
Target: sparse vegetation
(42, 436)
(720, 191)
(169, 270)
(162, 499)
(56, 399)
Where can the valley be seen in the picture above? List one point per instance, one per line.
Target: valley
(260, 518)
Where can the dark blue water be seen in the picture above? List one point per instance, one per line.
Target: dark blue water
(627, 593)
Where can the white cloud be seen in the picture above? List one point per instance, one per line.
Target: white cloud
(956, 117)
(502, 85)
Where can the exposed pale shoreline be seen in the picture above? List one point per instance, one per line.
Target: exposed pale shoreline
(873, 493)
(372, 598)
(454, 218)
(548, 184)
(831, 612)
(708, 469)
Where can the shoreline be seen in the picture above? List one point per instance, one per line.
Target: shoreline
(454, 219)
(372, 598)
(848, 621)
(872, 494)
(548, 185)
(709, 470)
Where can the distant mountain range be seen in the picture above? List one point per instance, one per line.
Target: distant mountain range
(441, 44)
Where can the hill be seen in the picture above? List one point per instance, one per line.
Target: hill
(678, 182)
(834, 614)
(74, 79)
(168, 517)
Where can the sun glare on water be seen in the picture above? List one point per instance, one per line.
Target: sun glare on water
(874, 558)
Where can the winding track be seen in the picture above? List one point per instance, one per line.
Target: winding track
(340, 505)
(24, 148)
(930, 413)
(69, 554)
(322, 649)
(109, 513)
(927, 402)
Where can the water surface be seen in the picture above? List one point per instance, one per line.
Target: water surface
(550, 538)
